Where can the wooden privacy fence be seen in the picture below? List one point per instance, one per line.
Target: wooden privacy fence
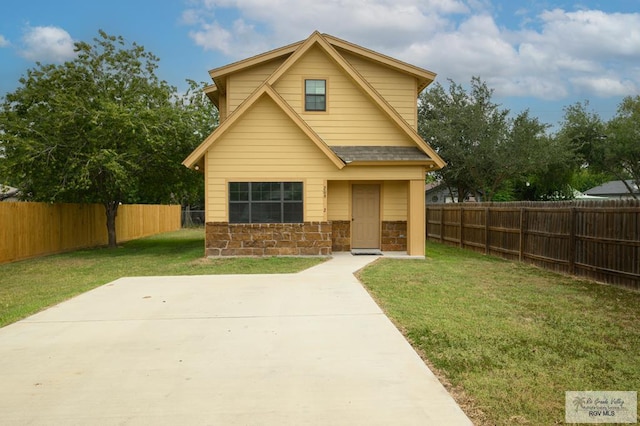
(36, 229)
(596, 240)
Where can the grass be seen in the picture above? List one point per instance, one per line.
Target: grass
(29, 286)
(509, 338)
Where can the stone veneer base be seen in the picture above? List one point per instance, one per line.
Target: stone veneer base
(341, 235)
(394, 235)
(293, 239)
(268, 239)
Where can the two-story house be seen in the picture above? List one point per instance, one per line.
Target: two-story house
(317, 151)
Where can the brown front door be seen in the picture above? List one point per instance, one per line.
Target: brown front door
(365, 229)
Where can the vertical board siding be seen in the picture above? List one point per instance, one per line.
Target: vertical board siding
(595, 240)
(36, 229)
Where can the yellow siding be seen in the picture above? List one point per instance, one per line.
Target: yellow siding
(243, 83)
(338, 200)
(266, 145)
(314, 200)
(216, 199)
(222, 109)
(394, 200)
(351, 117)
(398, 89)
(416, 218)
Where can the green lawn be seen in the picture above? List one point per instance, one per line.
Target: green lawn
(28, 286)
(510, 338)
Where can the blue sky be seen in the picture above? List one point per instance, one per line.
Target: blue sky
(542, 55)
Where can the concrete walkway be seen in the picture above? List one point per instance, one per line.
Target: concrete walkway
(302, 349)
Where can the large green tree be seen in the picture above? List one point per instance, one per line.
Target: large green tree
(621, 147)
(582, 130)
(102, 128)
(604, 150)
(486, 150)
(462, 126)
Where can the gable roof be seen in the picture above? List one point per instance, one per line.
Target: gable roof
(265, 90)
(293, 53)
(424, 77)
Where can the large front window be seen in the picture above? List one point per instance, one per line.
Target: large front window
(265, 202)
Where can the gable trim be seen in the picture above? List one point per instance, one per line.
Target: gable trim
(317, 39)
(265, 90)
(425, 77)
(254, 60)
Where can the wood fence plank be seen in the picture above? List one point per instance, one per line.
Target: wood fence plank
(597, 240)
(36, 229)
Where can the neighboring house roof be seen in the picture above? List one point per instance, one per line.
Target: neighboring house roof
(8, 192)
(295, 51)
(614, 188)
(431, 185)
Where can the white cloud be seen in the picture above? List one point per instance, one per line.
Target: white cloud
(47, 44)
(385, 24)
(593, 33)
(549, 56)
(605, 86)
(3, 41)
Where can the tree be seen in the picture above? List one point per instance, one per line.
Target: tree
(461, 126)
(605, 151)
(582, 130)
(199, 119)
(547, 162)
(621, 147)
(487, 152)
(102, 128)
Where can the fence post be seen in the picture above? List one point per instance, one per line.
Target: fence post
(572, 240)
(426, 223)
(523, 224)
(486, 230)
(461, 227)
(441, 224)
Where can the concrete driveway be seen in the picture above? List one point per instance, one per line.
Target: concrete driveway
(310, 348)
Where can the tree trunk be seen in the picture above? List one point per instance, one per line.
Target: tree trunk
(111, 210)
(630, 188)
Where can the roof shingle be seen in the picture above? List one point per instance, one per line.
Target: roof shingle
(379, 153)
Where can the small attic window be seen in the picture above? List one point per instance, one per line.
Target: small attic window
(315, 95)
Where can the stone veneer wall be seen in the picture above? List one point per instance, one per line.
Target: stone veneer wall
(268, 239)
(394, 235)
(341, 235)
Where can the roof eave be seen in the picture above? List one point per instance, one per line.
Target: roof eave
(213, 94)
(429, 164)
(254, 60)
(425, 77)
